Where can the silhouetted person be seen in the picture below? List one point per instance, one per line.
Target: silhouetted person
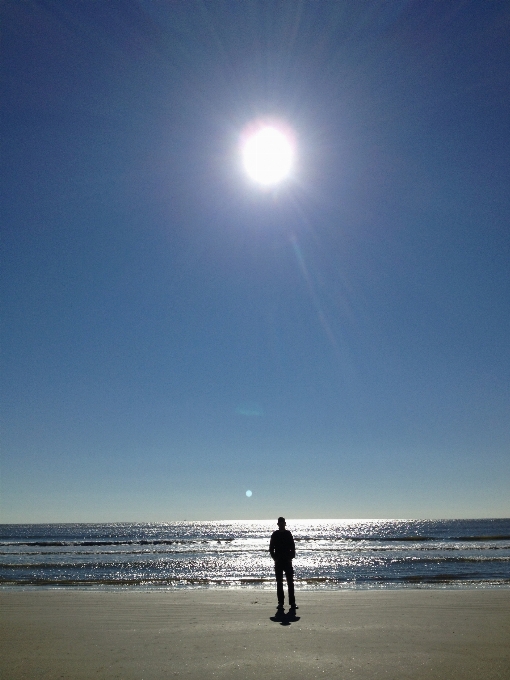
(283, 551)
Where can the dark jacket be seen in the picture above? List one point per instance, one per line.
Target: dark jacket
(281, 546)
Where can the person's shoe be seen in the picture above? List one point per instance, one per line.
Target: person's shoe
(294, 606)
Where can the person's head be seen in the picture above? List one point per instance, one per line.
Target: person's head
(281, 523)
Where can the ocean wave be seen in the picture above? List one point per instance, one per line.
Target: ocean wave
(495, 537)
(369, 540)
(162, 563)
(99, 544)
(210, 548)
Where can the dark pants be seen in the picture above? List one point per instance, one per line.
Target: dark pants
(279, 569)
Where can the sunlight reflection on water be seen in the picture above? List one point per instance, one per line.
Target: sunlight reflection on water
(330, 553)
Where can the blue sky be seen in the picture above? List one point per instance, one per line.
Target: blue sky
(173, 335)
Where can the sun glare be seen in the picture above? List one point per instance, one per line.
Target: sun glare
(268, 154)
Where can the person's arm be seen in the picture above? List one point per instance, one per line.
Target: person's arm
(272, 547)
(292, 547)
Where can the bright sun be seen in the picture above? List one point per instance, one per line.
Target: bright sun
(268, 154)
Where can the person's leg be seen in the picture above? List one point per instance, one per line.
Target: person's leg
(278, 570)
(289, 575)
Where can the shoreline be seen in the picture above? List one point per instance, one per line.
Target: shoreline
(431, 633)
(98, 588)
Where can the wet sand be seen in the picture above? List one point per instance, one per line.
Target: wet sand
(196, 634)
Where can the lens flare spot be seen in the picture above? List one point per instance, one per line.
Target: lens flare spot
(248, 493)
(250, 409)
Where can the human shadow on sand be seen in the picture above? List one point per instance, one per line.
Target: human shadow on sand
(285, 619)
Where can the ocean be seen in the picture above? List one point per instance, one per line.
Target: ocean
(330, 554)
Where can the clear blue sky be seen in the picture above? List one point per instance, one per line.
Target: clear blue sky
(174, 336)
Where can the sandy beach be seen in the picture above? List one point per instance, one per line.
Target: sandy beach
(226, 634)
